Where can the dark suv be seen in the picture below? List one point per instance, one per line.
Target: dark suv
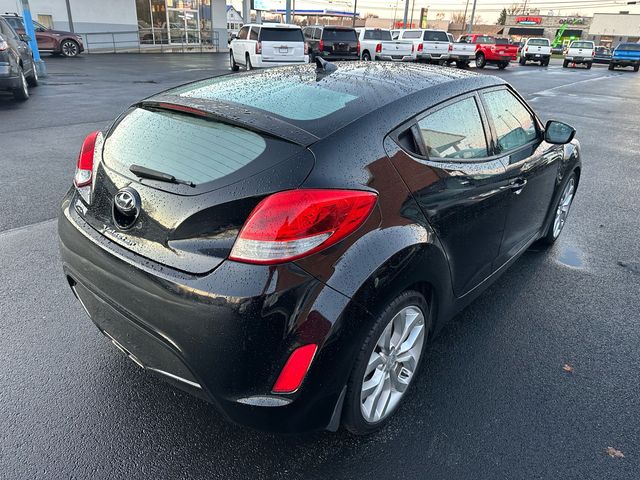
(332, 43)
(57, 42)
(17, 68)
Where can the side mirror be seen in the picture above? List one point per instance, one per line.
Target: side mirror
(25, 38)
(558, 133)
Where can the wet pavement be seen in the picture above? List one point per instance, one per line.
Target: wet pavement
(536, 379)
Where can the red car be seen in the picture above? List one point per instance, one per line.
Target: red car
(491, 50)
(57, 42)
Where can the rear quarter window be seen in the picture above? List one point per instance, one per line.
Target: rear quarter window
(185, 146)
(281, 35)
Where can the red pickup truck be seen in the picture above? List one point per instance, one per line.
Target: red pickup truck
(491, 50)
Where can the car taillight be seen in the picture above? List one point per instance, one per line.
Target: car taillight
(306, 48)
(296, 223)
(526, 49)
(295, 369)
(84, 167)
(593, 54)
(258, 48)
(413, 48)
(379, 48)
(321, 45)
(3, 45)
(450, 47)
(358, 47)
(420, 47)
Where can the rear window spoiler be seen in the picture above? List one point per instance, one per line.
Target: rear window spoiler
(233, 114)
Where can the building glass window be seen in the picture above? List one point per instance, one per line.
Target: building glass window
(174, 21)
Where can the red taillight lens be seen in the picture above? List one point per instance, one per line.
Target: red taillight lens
(593, 54)
(420, 47)
(258, 48)
(379, 48)
(84, 168)
(450, 47)
(306, 48)
(358, 47)
(293, 224)
(295, 369)
(526, 49)
(321, 45)
(413, 48)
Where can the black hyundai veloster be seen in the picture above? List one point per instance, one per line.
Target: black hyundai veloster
(284, 243)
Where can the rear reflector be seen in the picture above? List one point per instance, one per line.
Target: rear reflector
(293, 224)
(295, 369)
(84, 167)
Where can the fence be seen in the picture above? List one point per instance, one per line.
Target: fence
(152, 41)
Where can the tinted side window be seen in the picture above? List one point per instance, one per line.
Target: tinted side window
(15, 22)
(7, 31)
(513, 123)
(254, 33)
(377, 35)
(454, 131)
(242, 34)
(308, 32)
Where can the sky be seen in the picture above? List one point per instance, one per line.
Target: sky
(488, 10)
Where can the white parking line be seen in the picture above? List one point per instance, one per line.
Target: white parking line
(552, 89)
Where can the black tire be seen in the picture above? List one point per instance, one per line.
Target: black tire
(462, 64)
(545, 63)
(352, 418)
(22, 92)
(232, 62)
(522, 61)
(69, 48)
(550, 236)
(589, 66)
(481, 61)
(366, 56)
(449, 63)
(565, 64)
(611, 66)
(502, 65)
(32, 80)
(247, 64)
(636, 68)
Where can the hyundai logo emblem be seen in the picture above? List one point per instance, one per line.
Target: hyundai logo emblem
(126, 207)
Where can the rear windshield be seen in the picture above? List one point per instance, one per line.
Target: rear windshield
(281, 35)
(541, 42)
(331, 35)
(435, 36)
(413, 34)
(184, 146)
(486, 40)
(377, 35)
(628, 46)
(582, 45)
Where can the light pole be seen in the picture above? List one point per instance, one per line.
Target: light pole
(41, 69)
(473, 14)
(464, 19)
(355, 5)
(406, 14)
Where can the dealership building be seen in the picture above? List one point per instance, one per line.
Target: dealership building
(610, 29)
(518, 27)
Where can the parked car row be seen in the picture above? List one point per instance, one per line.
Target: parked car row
(17, 67)
(56, 42)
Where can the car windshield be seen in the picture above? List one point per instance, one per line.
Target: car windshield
(582, 45)
(377, 35)
(540, 42)
(435, 36)
(629, 47)
(335, 35)
(602, 50)
(281, 35)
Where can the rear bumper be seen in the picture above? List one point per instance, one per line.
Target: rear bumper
(394, 58)
(223, 336)
(536, 56)
(574, 59)
(338, 58)
(262, 63)
(433, 56)
(624, 62)
(9, 79)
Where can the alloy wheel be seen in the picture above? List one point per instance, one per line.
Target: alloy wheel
(69, 48)
(392, 364)
(562, 212)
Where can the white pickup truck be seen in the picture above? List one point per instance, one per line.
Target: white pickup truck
(376, 44)
(430, 45)
(462, 52)
(536, 50)
(580, 51)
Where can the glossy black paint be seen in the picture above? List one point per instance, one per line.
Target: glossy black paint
(445, 229)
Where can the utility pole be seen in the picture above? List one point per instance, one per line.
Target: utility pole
(355, 5)
(473, 14)
(464, 20)
(413, 6)
(68, 2)
(28, 29)
(288, 14)
(406, 14)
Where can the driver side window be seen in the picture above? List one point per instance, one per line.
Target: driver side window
(514, 125)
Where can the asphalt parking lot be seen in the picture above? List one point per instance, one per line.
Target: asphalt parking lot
(494, 399)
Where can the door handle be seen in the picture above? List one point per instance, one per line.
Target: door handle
(516, 186)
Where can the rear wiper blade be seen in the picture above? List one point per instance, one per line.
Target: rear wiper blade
(150, 173)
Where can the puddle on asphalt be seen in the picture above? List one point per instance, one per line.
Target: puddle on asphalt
(570, 256)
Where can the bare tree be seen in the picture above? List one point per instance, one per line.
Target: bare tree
(457, 17)
(515, 9)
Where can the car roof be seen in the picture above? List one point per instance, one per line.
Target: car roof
(274, 25)
(351, 91)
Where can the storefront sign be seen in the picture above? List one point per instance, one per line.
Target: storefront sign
(571, 21)
(528, 20)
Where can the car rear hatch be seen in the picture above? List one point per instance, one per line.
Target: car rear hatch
(340, 42)
(397, 48)
(282, 45)
(231, 163)
(435, 43)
